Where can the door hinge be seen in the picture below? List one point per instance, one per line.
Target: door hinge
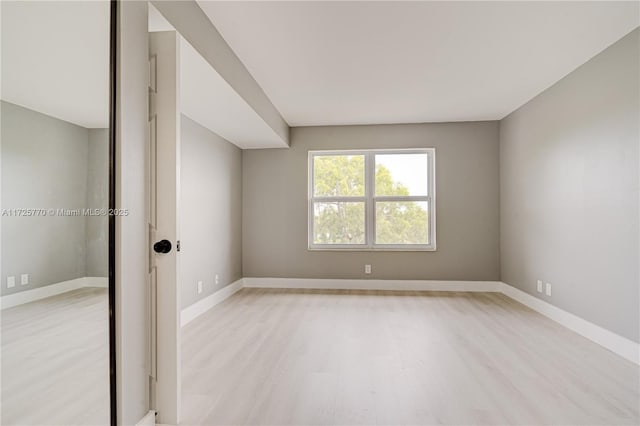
(152, 104)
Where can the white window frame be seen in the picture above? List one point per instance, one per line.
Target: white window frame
(370, 199)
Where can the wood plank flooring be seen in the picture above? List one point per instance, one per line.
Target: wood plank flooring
(55, 360)
(304, 357)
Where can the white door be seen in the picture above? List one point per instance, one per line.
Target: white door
(163, 197)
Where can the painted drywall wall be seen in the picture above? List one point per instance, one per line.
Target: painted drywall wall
(210, 212)
(569, 191)
(467, 176)
(52, 164)
(132, 256)
(97, 227)
(44, 166)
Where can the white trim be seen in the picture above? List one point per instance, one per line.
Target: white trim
(149, 419)
(100, 282)
(15, 299)
(192, 312)
(361, 284)
(622, 346)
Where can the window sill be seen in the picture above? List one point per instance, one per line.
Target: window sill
(372, 249)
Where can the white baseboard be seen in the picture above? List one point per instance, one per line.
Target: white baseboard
(100, 282)
(192, 312)
(149, 419)
(15, 299)
(622, 346)
(359, 284)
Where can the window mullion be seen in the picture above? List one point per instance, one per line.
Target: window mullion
(369, 193)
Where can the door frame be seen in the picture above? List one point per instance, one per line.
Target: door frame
(113, 89)
(163, 215)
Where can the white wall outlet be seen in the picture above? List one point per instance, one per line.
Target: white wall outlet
(11, 282)
(199, 287)
(367, 269)
(548, 289)
(217, 279)
(24, 279)
(539, 286)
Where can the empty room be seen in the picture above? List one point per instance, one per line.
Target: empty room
(320, 213)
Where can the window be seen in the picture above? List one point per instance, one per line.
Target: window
(372, 200)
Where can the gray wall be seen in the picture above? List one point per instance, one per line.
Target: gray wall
(44, 165)
(97, 227)
(467, 179)
(569, 191)
(210, 212)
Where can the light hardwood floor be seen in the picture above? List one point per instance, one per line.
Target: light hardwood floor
(304, 357)
(55, 360)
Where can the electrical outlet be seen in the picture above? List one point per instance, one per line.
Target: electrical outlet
(11, 282)
(548, 289)
(367, 269)
(199, 287)
(24, 279)
(217, 279)
(539, 286)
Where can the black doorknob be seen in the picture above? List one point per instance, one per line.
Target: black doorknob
(162, 246)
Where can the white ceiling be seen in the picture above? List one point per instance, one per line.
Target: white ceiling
(55, 59)
(157, 22)
(325, 63)
(208, 99)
